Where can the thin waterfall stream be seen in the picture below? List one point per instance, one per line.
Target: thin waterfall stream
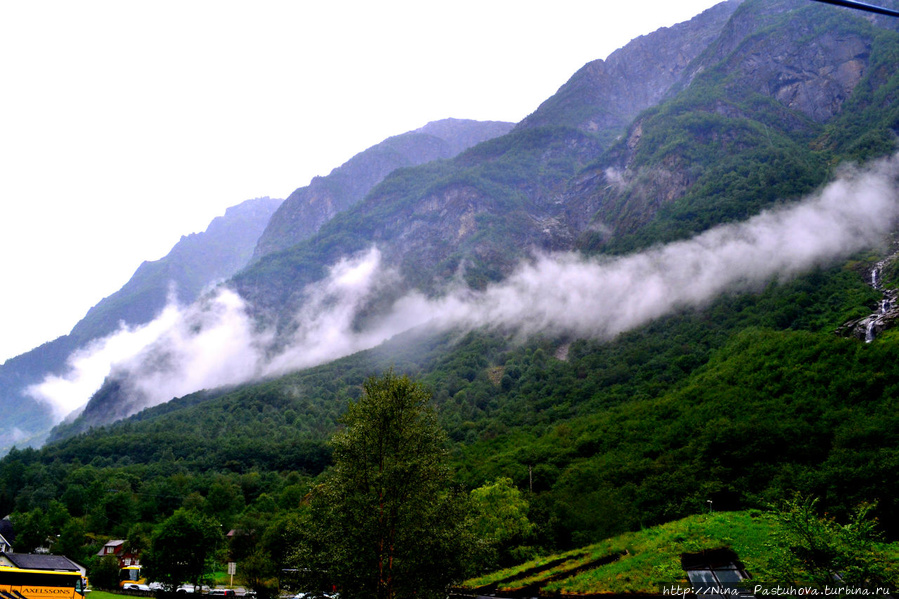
(886, 311)
(881, 319)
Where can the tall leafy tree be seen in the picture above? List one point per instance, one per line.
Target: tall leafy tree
(385, 523)
(104, 572)
(32, 530)
(501, 519)
(181, 549)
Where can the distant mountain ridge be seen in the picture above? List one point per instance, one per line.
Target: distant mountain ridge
(194, 263)
(197, 261)
(308, 208)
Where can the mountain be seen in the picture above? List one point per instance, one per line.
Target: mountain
(604, 96)
(515, 181)
(679, 166)
(308, 208)
(251, 229)
(742, 109)
(627, 316)
(195, 263)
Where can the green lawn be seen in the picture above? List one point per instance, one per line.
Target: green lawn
(640, 562)
(649, 560)
(104, 595)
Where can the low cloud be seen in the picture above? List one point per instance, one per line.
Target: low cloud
(214, 342)
(89, 366)
(615, 178)
(600, 298)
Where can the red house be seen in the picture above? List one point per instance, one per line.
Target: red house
(118, 548)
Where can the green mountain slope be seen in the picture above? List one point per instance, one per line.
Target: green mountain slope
(609, 438)
(653, 560)
(741, 401)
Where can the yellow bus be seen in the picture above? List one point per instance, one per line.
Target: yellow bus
(20, 583)
(130, 575)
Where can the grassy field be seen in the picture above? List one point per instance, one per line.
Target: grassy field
(648, 561)
(104, 595)
(639, 562)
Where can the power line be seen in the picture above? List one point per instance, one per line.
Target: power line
(862, 6)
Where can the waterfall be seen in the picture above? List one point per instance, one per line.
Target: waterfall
(885, 314)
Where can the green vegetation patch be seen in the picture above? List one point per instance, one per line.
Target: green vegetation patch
(653, 555)
(646, 561)
(639, 562)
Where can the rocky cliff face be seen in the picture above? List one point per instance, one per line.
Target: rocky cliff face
(810, 63)
(775, 78)
(308, 208)
(604, 96)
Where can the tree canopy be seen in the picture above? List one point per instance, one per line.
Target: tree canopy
(182, 548)
(385, 523)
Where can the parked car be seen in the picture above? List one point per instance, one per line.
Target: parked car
(133, 586)
(189, 588)
(223, 592)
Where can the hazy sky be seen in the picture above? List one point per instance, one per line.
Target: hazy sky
(126, 124)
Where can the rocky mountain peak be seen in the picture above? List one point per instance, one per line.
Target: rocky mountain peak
(604, 96)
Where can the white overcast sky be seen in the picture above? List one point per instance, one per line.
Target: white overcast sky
(126, 124)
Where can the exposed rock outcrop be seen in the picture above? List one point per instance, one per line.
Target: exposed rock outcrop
(308, 208)
(804, 56)
(604, 96)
